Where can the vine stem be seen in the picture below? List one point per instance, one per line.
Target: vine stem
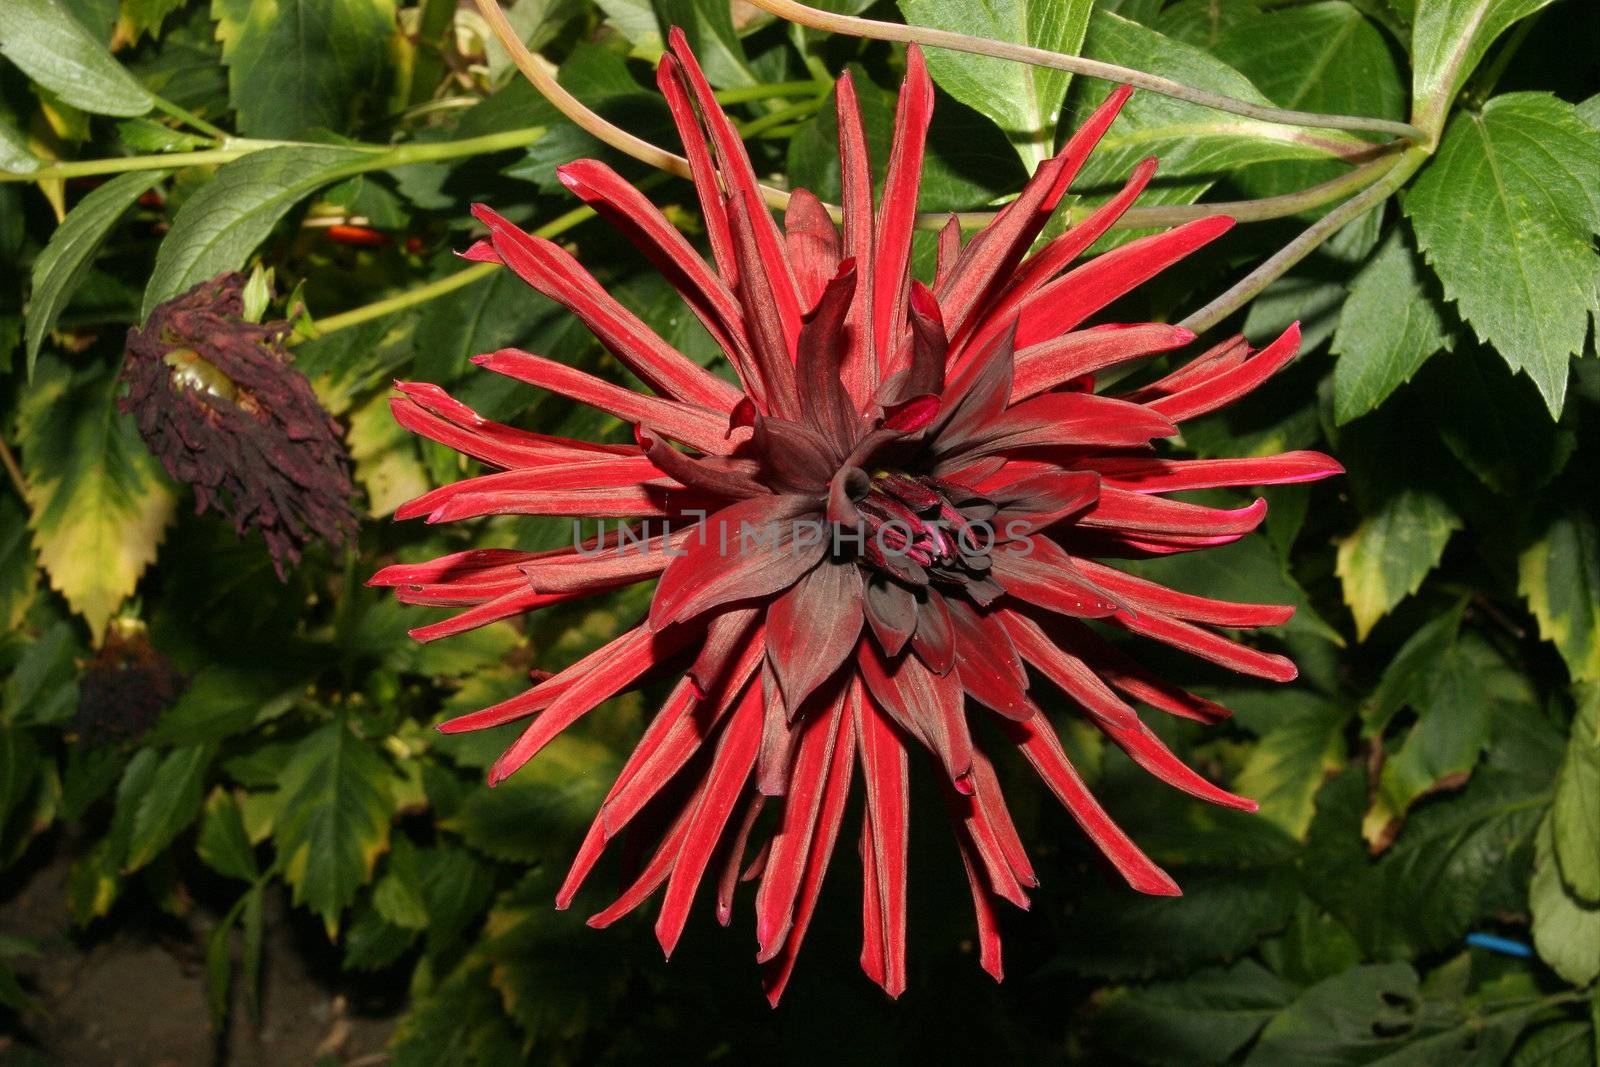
(812, 18)
(1247, 288)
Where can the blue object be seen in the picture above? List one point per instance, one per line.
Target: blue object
(1503, 945)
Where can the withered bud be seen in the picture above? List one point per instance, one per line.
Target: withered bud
(125, 688)
(216, 399)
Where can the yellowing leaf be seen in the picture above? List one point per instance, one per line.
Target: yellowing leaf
(1388, 555)
(100, 502)
(1559, 575)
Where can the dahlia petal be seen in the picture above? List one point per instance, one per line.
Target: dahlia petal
(933, 640)
(719, 475)
(948, 251)
(519, 602)
(829, 409)
(1140, 513)
(733, 860)
(813, 627)
(976, 836)
(897, 211)
(929, 706)
(1069, 673)
(1036, 570)
(1064, 303)
(715, 569)
(778, 738)
(885, 768)
(1149, 752)
(860, 367)
(713, 209)
(1060, 419)
(1207, 645)
(1039, 744)
(1225, 387)
(647, 229)
(428, 410)
(627, 659)
(994, 253)
(891, 612)
(1051, 363)
(1219, 357)
(986, 792)
(983, 898)
(553, 271)
(836, 791)
(457, 566)
(733, 165)
(1034, 502)
(1039, 268)
(1140, 593)
(606, 568)
(987, 662)
(667, 721)
(791, 844)
(725, 780)
(929, 345)
(651, 877)
(698, 427)
(1149, 474)
(1123, 673)
(732, 637)
(557, 479)
(770, 340)
(812, 243)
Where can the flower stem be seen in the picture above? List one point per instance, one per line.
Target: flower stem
(812, 18)
(13, 470)
(1302, 246)
(187, 116)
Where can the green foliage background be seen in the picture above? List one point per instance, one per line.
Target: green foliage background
(1434, 773)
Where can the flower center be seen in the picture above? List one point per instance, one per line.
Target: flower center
(909, 524)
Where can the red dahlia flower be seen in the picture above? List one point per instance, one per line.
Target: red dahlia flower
(930, 476)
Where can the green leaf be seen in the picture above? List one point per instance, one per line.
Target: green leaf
(456, 888)
(297, 65)
(1506, 213)
(384, 456)
(1024, 101)
(458, 1023)
(169, 805)
(1495, 423)
(1386, 558)
(1575, 819)
(1559, 576)
(708, 24)
(1387, 329)
(1562, 1044)
(43, 685)
(1449, 38)
(1283, 771)
(223, 700)
(14, 154)
(1194, 143)
(61, 267)
(334, 822)
(146, 16)
(1566, 931)
(99, 501)
(1204, 1018)
(1406, 677)
(1379, 1014)
(397, 896)
(218, 227)
(52, 47)
(537, 812)
(223, 844)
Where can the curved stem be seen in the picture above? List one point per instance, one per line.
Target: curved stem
(400, 301)
(13, 471)
(1242, 292)
(892, 31)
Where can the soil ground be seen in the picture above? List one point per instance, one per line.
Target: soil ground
(130, 991)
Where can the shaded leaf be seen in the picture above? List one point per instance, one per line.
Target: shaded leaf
(1201, 1019)
(1387, 329)
(66, 259)
(223, 845)
(1566, 930)
(169, 805)
(334, 820)
(1575, 819)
